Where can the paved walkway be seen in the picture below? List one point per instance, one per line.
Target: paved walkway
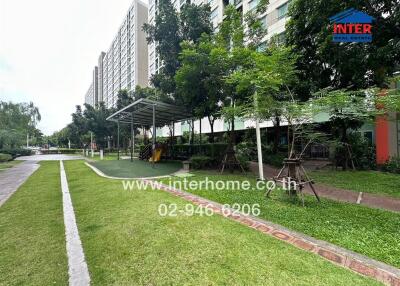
(77, 267)
(50, 157)
(11, 179)
(371, 200)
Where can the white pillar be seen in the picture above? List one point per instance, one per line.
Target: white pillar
(27, 140)
(101, 154)
(92, 153)
(259, 151)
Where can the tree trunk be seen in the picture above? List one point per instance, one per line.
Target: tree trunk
(211, 121)
(277, 134)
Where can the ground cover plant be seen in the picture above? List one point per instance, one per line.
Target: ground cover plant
(32, 243)
(126, 242)
(368, 231)
(373, 182)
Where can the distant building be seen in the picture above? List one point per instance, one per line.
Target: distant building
(124, 66)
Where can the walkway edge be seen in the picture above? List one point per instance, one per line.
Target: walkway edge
(101, 174)
(77, 267)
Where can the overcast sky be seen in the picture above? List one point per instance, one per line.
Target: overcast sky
(48, 49)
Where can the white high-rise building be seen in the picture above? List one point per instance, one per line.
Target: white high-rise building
(125, 64)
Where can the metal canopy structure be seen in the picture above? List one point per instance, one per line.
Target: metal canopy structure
(145, 113)
(141, 113)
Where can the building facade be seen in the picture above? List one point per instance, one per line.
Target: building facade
(124, 65)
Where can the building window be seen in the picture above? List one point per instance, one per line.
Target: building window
(282, 10)
(253, 4)
(263, 21)
(262, 47)
(214, 14)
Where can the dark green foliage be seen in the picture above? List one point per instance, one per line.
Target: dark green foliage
(393, 165)
(323, 63)
(201, 162)
(215, 151)
(5, 157)
(17, 120)
(16, 152)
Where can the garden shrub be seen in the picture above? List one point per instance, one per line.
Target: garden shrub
(5, 157)
(201, 162)
(16, 152)
(392, 165)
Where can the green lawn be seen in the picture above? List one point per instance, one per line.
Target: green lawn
(127, 242)
(7, 165)
(374, 233)
(137, 168)
(32, 240)
(361, 181)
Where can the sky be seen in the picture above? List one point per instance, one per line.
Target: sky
(48, 49)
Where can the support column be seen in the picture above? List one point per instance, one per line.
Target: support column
(154, 133)
(118, 141)
(259, 150)
(132, 139)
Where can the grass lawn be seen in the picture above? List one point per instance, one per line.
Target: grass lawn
(32, 243)
(374, 233)
(7, 165)
(126, 242)
(137, 168)
(361, 181)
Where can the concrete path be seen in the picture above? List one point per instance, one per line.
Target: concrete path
(50, 157)
(11, 179)
(77, 267)
(370, 200)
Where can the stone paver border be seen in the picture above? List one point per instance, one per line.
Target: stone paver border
(360, 264)
(77, 268)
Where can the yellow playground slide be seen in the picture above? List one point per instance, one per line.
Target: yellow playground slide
(157, 155)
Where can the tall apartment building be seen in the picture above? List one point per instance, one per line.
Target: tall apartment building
(125, 63)
(92, 95)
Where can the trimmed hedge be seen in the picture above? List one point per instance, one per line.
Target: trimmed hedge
(5, 157)
(16, 152)
(201, 162)
(61, 151)
(215, 151)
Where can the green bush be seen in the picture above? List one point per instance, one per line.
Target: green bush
(215, 151)
(201, 162)
(61, 151)
(392, 165)
(16, 152)
(275, 160)
(5, 157)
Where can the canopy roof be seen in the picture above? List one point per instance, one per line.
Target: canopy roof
(140, 113)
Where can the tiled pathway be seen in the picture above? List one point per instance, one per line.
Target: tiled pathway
(11, 179)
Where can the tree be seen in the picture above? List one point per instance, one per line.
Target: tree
(349, 110)
(97, 123)
(323, 63)
(169, 31)
(17, 120)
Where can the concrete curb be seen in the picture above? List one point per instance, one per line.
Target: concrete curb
(77, 268)
(101, 174)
